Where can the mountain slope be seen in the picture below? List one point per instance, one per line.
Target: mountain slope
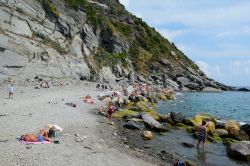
(93, 40)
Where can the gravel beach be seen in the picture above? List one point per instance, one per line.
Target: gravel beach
(86, 138)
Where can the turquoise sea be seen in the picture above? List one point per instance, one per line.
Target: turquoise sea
(226, 105)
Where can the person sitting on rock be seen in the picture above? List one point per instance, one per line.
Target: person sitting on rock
(202, 133)
(40, 137)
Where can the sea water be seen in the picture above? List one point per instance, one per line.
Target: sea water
(226, 105)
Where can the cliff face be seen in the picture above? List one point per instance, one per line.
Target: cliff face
(92, 40)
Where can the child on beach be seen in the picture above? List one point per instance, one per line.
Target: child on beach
(202, 133)
(111, 110)
(11, 90)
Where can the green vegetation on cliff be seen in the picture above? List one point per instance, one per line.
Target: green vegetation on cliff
(146, 45)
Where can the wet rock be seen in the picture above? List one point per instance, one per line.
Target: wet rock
(153, 124)
(241, 135)
(186, 144)
(148, 135)
(177, 117)
(222, 132)
(134, 125)
(219, 125)
(246, 128)
(181, 125)
(214, 138)
(190, 129)
(240, 151)
(229, 141)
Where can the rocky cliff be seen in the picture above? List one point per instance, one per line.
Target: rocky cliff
(89, 40)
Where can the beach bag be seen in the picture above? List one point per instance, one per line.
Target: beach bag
(54, 133)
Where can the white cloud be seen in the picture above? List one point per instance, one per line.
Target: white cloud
(204, 67)
(213, 71)
(231, 73)
(125, 3)
(171, 34)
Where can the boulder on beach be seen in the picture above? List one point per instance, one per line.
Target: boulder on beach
(229, 141)
(177, 117)
(222, 133)
(210, 126)
(232, 127)
(190, 129)
(125, 113)
(219, 125)
(152, 123)
(246, 128)
(197, 119)
(214, 137)
(134, 125)
(148, 135)
(240, 151)
(241, 135)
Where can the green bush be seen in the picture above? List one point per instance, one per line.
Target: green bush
(53, 44)
(122, 28)
(50, 8)
(104, 58)
(75, 3)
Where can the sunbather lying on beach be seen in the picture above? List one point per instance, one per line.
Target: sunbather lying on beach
(40, 137)
(88, 99)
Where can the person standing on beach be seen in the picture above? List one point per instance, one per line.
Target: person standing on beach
(111, 110)
(11, 90)
(202, 134)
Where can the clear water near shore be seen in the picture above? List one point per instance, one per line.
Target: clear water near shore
(226, 105)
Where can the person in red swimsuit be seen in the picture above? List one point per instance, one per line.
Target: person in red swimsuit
(111, 110)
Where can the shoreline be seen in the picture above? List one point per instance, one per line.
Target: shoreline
(33, 109)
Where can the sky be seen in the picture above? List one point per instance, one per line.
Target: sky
(215, 34)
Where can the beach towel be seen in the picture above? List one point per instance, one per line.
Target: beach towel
(35, 143)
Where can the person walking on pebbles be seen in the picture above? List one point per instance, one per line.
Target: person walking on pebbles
(11, 90)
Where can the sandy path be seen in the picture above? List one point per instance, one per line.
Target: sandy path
(30, 111)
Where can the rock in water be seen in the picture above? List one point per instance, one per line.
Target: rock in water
(177, 117)
(134, 125)
(186, 144)
(152, 123)
(240, 151)
(246, 128)
(148, 135)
